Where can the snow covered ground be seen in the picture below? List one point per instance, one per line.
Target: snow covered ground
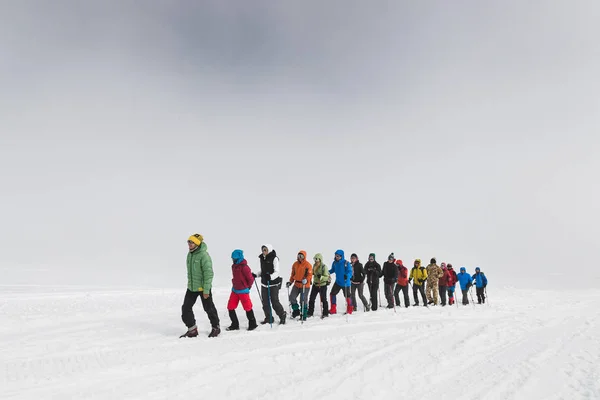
(81, 343)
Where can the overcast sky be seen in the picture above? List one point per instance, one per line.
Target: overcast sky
(464, 130)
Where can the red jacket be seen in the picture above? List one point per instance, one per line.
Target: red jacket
(402, 273)
(242, 276)
(452, 278)
(444, 279)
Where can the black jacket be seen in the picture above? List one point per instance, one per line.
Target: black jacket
(390, 272)
(267, 268)
(373, 272)
(358, 274)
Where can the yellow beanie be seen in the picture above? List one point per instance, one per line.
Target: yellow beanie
(196, 239)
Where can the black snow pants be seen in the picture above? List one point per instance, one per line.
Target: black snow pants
(480, 295)
(315, 291)
(419, 289)
(271, 293)
(404, 292)
(187, 312)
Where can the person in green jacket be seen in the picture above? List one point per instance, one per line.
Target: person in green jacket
(199, 276)
(321, 279)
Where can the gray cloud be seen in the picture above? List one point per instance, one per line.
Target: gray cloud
(466, 131)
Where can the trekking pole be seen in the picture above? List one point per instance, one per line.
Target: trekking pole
(393, 299)
(454, 295)
(321, 301)
(346, 294)
(379, 294)
(302, 305)
(487, 299)
(270, 308)
(471, 294)
(259, 296)
(289, 304)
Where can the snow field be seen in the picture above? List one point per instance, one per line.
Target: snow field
(60, 343)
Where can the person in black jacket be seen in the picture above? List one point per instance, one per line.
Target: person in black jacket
(270, 281)
(373, 271)
(358, 282)
(390, 276)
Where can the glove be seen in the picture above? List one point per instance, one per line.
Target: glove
(304, 281)
(485, 285)
(288, 284)
(345, 277)
(254, 275)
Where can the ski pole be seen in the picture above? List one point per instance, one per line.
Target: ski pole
(302, 304)
(346, 295)
(289, 301)
(270, 308)
(259, 296)
(471, 294)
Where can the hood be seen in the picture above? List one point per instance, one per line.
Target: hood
(319, 257)
(237, 256)
(463, 269)
(303, 253)
(443, 265)
(341, 253)
(202, 247)
(399, 262)
(477, 269)
(449, 266)
(268, 246)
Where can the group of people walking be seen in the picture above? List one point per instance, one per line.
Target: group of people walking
(308, 281)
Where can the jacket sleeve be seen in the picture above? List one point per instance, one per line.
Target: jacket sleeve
(248, 276)
(440, 273)
(362, 272)
(349, 270)
(331, 270)
(275, 273)
(424, 273)
(474, 277)
(379, 270)
(309, 274)
(207, 272)
(484, 279)
(396, 273)
(292, 275)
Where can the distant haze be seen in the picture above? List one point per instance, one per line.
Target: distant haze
(464, 130)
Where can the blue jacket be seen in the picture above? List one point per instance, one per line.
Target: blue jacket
(479, 278)
(341, 268)
(463, 278)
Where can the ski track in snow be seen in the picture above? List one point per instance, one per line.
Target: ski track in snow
(124, 344)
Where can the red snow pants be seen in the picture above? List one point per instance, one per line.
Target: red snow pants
(235, 298)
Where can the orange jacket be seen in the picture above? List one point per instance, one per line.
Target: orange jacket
(301, 270)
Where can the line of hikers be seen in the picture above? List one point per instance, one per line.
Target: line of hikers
(307, 281)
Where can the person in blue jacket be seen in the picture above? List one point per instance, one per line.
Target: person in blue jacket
(343, 273)
(480, 283)
(465, 283)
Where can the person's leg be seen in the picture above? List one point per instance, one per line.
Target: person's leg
(416, 294)
(361, 294)
(210, 309)
(422, 290)
(405, 293)
(187, 312)
(311, 302)
(442, 290)
(277, 307)
(397, 294)
(353, 294)
(334, 291)
(294, 302)
(323, 293)
(266, 305)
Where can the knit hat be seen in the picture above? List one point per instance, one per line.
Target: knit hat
(237, 256)
(354, 255)
(372, 255)
(196, 238)
(449, 266)
(433, 261)
(391, 256)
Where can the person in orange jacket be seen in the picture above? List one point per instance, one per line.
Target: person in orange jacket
(301, 278)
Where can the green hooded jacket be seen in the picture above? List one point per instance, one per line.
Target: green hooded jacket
(199, 270)
(320, 273)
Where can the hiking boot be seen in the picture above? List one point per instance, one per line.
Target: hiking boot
(214, 332)
(282, 318)
(295, 313)
(232, 328)
(192, 332)
(252, 325)
(333, 309)
(367, 308)
(266, 321)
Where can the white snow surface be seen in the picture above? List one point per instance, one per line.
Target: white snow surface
(82, 343)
